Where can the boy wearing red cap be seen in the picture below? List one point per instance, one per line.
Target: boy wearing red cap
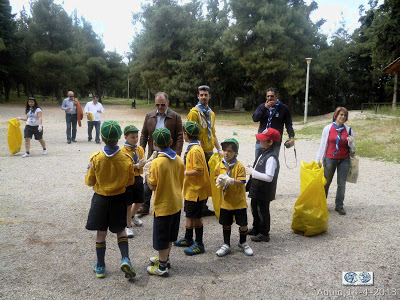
(264, 179)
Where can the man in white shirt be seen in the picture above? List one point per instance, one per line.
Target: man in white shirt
(96, 109)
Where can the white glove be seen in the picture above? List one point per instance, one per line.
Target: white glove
(224, 180)
(40, 128)
(220, 182)
(220, 152)
(350, 139)
(153, 156)
(146, 168)
(249, 170)
(141, 163)
(230, 181)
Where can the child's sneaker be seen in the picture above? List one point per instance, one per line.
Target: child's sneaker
(126, 267)
(195, 249)
(136, 221)
(183, 243)
(25, 155)
(155, 270)
(100, 271)
(155, 260)
(44, 152)
(129, 232)
(225, 250)
(246, 248)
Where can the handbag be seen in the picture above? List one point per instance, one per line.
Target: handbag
(353, 171)
(352, 176)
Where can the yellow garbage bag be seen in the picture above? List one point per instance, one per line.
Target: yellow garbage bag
(90, 116)
(14, 136)
(215, 159)
(310, 215)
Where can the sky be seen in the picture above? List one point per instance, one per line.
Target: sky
(114, 22)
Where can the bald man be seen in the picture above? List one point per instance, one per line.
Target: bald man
(71, 117)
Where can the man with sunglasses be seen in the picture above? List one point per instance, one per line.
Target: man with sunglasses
(162, 116)
(69, 106)
(205, 117)
(273, 114)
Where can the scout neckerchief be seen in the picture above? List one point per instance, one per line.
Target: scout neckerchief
(134, 155)
(171, 154)
(272, 113)
(30, 113)
(339, 131)
(206, 112)
(110, 151)
(191, 144)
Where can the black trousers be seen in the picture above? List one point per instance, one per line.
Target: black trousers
(261, 216)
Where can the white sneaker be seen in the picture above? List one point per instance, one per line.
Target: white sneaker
(136, 221)
(25, 155)
(246, 249)
(44, 152)
(129, 232)
(225, 250)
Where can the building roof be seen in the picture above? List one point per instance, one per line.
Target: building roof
(393, 67)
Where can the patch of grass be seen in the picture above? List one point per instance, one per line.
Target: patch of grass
(242, 118)
(311, 131)
(378, 139)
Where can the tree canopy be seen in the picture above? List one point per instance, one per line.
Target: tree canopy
(237, 47)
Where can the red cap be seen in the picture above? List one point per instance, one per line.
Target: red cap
(269, 134)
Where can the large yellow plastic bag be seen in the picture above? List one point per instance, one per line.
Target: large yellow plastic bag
(14, 136)
(215, 159)
(310, 215)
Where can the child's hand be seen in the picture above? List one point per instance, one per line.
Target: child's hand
(249, 170)
(350, 139)
(146, 168)
(220, 181)
(153, 155)
(141, 163)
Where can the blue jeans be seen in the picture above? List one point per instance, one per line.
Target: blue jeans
(343, 166)
(71, 122)
(258, 150)
(96, 125)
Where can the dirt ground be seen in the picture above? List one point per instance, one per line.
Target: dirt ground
(46, 253)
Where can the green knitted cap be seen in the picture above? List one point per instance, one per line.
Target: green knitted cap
(110, 131)
(192, 128)
(130, 128)
(162, 137)
(232, 141)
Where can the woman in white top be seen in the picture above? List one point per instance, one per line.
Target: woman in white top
(33, 125)
(337, 144)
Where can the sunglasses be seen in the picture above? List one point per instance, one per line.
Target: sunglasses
(160, 104)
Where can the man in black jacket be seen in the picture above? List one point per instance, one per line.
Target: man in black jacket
(273, 114)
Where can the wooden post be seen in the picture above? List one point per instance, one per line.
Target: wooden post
(394, 93)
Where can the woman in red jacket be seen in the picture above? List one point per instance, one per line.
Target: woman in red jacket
(336, 143)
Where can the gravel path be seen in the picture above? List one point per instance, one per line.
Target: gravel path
(46, 253)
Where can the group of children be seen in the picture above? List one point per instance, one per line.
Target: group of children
(115, 174)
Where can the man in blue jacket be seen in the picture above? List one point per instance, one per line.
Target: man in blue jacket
(273, 114)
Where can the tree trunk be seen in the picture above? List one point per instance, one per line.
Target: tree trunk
(58, 95)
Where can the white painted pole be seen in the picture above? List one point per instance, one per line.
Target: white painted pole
(307, 80)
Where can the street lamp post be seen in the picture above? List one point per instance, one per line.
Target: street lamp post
(308, 59)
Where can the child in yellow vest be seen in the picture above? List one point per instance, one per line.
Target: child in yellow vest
(135, 192)
(165, 178)
(230, 175)
(109, 173)
(196, 190)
